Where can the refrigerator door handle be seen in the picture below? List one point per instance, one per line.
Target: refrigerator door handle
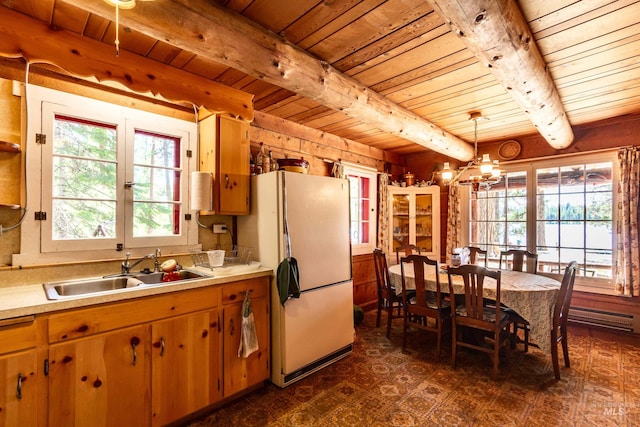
(287, 239)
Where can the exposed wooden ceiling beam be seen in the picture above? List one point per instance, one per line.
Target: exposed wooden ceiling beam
(219, 34)
(85, 58)
(498, 35)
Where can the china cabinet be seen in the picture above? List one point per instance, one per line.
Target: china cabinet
(414, 218)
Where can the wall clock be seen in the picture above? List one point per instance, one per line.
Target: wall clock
(509, 150)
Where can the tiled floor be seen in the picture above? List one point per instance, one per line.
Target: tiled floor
(379, 385)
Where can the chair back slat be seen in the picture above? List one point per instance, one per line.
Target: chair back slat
(516, 259)
(407, 249)
(475, 253)
(382, 271)
(473, 277)
(561, 310)
(420, 264)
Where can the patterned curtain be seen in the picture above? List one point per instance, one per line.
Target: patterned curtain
(383, 211)
(453, 221)
(627, 265)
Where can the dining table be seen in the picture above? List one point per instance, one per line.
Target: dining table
(532, 296)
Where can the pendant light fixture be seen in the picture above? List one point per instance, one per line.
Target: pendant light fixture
(489, 171)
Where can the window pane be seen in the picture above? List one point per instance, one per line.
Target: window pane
(599, 177)
(571, 234)
(154, 184)
(517, 235)
(572, 179)
(82, 138)
(156, 150)
(581, 197)
(83, 219)
(83, 179)
(498, 215)
(548, 207)
(599, 235)
(157, 175)
(155, 219)
(547, 233)
(598, 263)
(572, 207)
(547, 180)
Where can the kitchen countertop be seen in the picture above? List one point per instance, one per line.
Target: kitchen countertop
(26, 300)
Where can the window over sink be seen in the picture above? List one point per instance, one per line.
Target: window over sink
(105, 176)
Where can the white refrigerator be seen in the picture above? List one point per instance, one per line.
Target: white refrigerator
(316, 329)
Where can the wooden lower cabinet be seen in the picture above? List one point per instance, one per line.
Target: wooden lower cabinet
(185, 365)
(18, 398)
(102, 380)
(20, 375)
(144, 362)
(241, 373)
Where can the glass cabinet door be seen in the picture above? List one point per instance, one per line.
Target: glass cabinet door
(424, 221)
(414, 219)
(400, 223)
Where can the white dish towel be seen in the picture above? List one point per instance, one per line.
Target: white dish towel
(248, 337)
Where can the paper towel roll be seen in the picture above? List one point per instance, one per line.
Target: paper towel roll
(201, 191)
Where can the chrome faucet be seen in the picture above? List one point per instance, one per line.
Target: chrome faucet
(156, 263)
(127, 266)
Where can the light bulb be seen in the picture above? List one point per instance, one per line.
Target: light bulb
(447, 173)
(486, 167)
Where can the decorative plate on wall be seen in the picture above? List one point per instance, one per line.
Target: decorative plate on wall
(509, 150)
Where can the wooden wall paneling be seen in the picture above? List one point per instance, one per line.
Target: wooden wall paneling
(364, 282)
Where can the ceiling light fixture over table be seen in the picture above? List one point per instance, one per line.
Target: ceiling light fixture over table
(489, 171)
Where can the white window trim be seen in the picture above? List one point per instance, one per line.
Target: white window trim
(372, 174)
(585, 284)
(30, 251)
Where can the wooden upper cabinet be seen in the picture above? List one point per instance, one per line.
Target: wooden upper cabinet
(224, 150)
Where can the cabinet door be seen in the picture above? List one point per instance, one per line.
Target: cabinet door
(18, 403)
(233, 176)
(401, 224)
(101, 380)
(414, 215)
(185, 365)
(240, 373)
(424, 221)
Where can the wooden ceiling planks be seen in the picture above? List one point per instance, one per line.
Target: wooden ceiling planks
(403, 50)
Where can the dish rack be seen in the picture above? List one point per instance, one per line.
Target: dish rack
(234, 255)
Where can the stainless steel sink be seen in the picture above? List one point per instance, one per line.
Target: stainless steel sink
(105, 285)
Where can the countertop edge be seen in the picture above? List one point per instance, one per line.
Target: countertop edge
(28, 300)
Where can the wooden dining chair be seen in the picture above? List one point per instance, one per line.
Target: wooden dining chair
(489, 323)
(516, 259)
(424, 309)
(388, 301)
(407, 249)
(475, 253)
(560, 315)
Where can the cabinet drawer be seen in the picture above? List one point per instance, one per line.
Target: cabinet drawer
(87, 321)
(17, 334)
(234, 293)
